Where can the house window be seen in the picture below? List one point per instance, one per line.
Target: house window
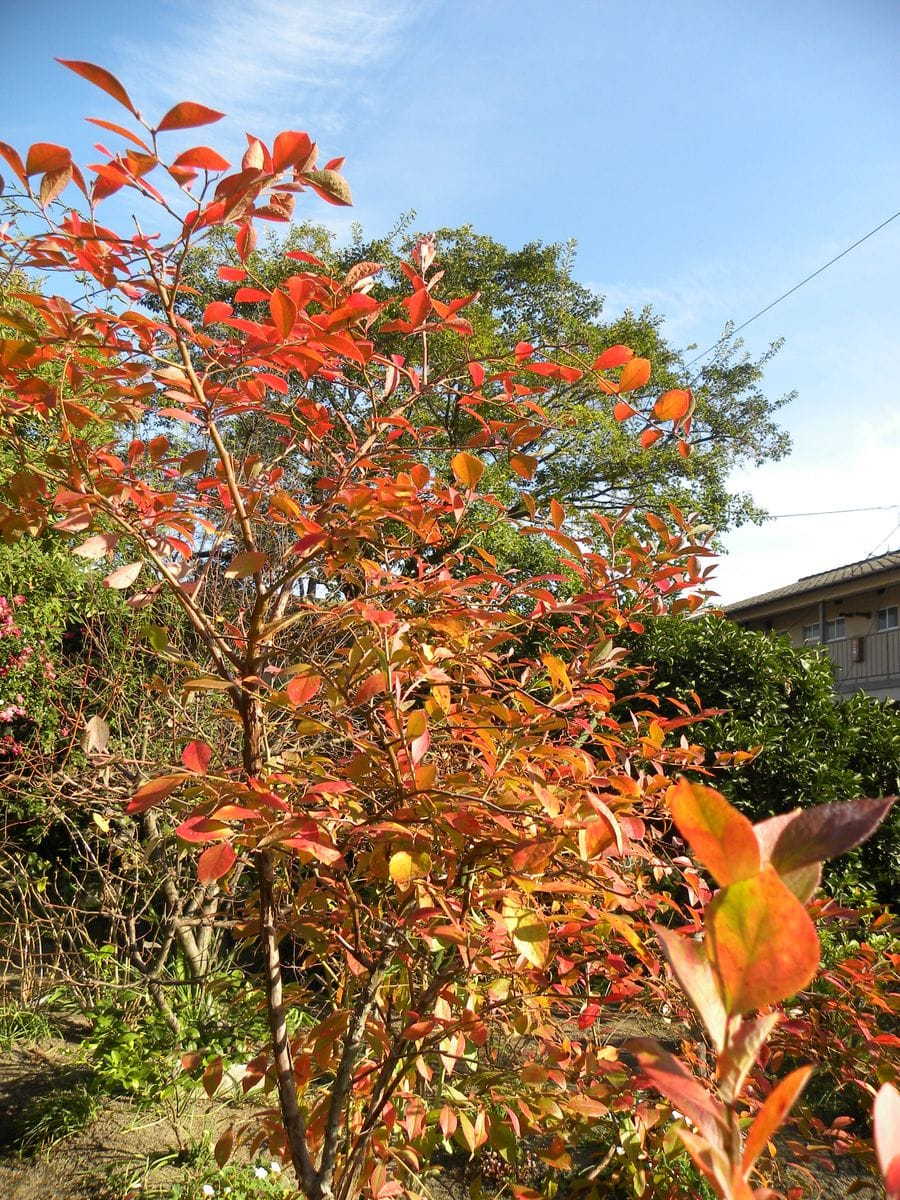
(887, 618)
(812, 633)
(834, 630)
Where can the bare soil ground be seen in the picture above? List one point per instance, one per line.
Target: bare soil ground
(124, 1152)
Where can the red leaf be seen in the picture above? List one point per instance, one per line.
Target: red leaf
(232, 274)
(196, 756)
(121, 131)
(476, 370)
(615, 356)
(812, 835)
(186, 115)
(215, 861)
(217, 311)
(245, 241)
(12, 157)
(291, 149)
(302, 688)
(45, 156)
(634, 375)
(672, 1078)
(202, 157)
(721, 837)
(418, 305)
(150, 794)
(762, 944)
(102, 79)
(771, 1116)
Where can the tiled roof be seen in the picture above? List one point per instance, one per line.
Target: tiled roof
(812, 583)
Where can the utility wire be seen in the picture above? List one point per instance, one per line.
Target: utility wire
(795, 288)
(832, 512)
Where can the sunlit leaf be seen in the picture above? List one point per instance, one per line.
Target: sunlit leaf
(215, 861)
(771, 1116)
(762, 944)
(467, 468)
(528, 932)
(721, 837)
(102, 79)
(187, 115)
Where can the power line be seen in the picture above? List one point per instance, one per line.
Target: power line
(795, 288)
(832, 512)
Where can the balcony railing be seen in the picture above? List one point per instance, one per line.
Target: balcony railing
(877, 669)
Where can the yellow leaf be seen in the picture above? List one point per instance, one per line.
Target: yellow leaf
(405, 867)
(559, 676)
(527, 930)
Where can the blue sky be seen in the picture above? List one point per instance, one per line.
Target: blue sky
(705, 155)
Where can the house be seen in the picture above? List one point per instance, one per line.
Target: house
(853, 611)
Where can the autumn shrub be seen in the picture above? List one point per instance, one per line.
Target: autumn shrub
(414, 773)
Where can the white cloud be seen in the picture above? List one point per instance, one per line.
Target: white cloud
(863, 474)
(249, 55)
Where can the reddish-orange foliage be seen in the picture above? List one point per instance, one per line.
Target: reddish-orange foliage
(438, 803)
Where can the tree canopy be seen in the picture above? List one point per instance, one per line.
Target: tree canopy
(531, 295)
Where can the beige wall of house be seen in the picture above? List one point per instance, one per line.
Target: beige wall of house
(844, 617)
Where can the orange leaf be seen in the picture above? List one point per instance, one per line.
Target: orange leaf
(246, 563)
(123, 577)
(557, 513)
(217, 311)
(45, 156)
(649, 437)
(762, 944)
(284, 313)
(623, 411)
(302, 688)
(467, 468)
(673, 405)
(615, 356)
(721, 837)
(524, 465)
(186, 115)
(150, 793)
(202, 157)
(691, 967)
(635, 374)
(215, 861)
(102, 79)
(54, 184)
(196, 756)
(224, 1147)
(771, 1116)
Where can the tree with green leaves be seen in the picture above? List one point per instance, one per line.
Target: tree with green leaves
(531, 296)
(784, 736)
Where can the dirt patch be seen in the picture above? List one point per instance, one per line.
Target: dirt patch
(120, 1150)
